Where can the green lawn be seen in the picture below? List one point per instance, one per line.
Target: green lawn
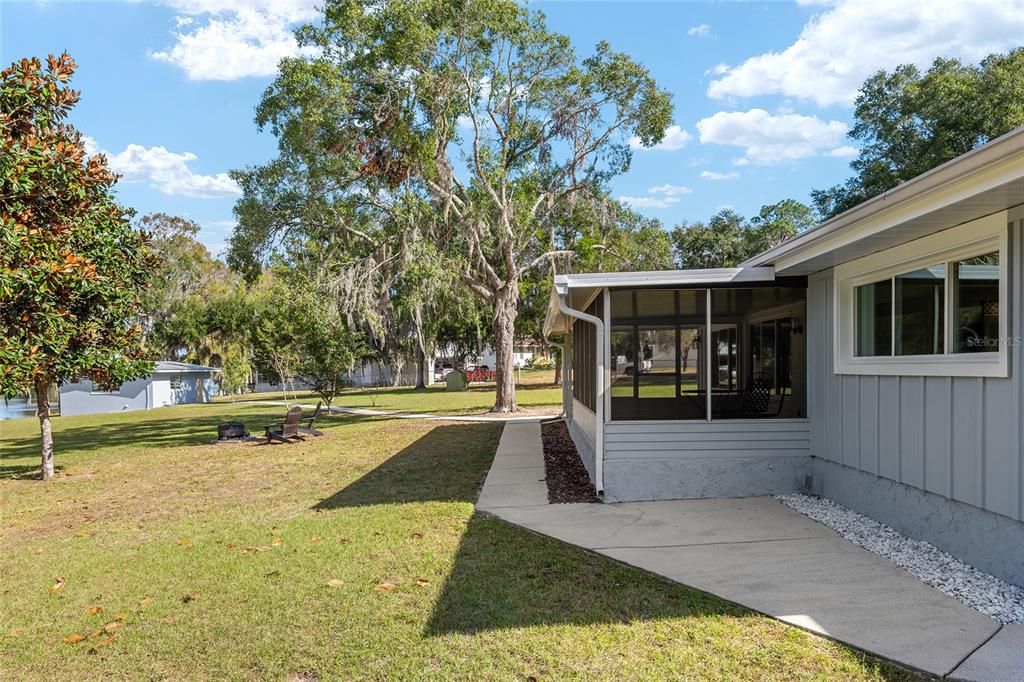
(355, 555)
(534, 394)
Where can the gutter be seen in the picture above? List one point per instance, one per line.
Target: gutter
(565, 373)
(599, 398)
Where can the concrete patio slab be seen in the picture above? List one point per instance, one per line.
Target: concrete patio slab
(1001, 658)
(670, 523)
(758, 553)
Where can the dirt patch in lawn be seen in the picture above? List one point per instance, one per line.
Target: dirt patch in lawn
(567, 478)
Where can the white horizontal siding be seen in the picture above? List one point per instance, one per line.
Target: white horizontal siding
(699, 440)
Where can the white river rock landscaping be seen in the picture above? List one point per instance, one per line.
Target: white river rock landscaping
(930, 565)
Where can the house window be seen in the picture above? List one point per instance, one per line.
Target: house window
(932, 307)
(96, 389)
(175, 382)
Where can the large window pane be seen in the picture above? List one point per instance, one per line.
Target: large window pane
(874, 319)
(976, 304)
(920, 311)
(656, 375)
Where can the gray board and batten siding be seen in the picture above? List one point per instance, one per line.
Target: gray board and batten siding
(937, 458)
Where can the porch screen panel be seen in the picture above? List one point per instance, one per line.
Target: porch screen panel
(584, 357)
(757, 353)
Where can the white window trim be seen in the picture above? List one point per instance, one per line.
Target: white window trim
(975, 238)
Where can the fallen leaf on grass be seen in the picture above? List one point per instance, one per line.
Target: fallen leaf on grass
(120, 616)
(112, 626)
(74, 639)
(185, 542)
(145, 602)
(277, 542)
(190, 597)
(385, 587)
(420, 582)
(100, 644)
(261, 548)
(94, 610)
(95, 633)
(416, 536)
(345, 541)
(58, 584)
(334, 582)
(272, 574)
(83, 533)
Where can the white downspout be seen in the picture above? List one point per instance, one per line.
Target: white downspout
(599, 401)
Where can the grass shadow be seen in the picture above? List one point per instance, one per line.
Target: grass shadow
(507, 577)
(143, 430)
(447, 464)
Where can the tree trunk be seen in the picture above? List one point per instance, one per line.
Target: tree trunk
(506, 307)
(421, 355)
(45, 430)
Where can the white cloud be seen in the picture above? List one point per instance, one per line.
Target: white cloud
(701, 31)
(714, 175)
(675, 138)
(844, 152)
(231, 39)
(659, 196)
(649, 202)
(669, 190)
(844, 44)
(768, 139)
(169, 172)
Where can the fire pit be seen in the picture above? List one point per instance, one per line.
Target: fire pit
(232, 431)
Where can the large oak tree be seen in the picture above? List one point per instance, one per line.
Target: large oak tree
(471, 105)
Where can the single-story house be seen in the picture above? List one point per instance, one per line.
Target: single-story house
(171, 383)
(875, 359)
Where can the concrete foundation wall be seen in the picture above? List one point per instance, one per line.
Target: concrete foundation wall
(675, 478)
(988, 541)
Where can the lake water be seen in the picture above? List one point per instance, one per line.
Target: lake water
(16, 409)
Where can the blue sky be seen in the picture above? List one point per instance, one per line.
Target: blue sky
(763, 92)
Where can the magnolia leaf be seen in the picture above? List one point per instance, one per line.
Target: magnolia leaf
(190, 597)
(112, 626)
(334, 582)
(185, 542)
(74, 639)
(145, 602)
(385, 587)
(420, 582)
(58, 583)
(93, 610)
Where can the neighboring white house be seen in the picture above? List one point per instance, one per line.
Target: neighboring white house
(522, 355)
(171, 383)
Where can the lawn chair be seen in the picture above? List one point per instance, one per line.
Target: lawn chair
(288, 430)
(308, 421)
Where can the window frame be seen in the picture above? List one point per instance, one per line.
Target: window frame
(976, 238)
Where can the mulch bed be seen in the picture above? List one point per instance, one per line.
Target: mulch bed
(566, 476)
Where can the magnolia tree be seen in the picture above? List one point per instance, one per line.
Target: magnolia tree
(474, 107)
(71, 266)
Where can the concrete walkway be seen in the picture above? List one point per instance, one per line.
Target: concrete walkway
(759, 553)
